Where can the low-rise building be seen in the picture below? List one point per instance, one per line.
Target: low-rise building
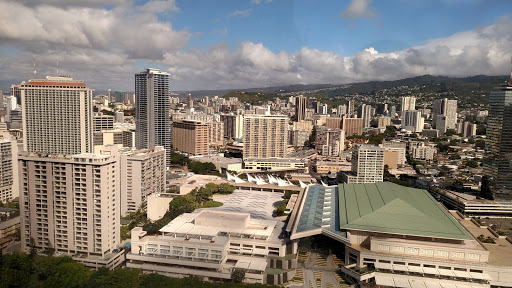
(394, 236)
(222, 164)
(212, 244)
(274, 164)
(325, 167)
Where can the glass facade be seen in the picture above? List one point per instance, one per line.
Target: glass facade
(498, 164)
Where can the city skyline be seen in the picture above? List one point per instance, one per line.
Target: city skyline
(253, 43)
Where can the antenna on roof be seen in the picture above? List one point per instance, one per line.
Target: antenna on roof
(34, 56)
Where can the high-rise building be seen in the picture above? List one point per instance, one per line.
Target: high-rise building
(57, 116)
(447, 108)
(190, 102)
(366, 113)
(265, 136)
(190, 136)
(119, 117)
(383, 121)
(152, 92)
(142, 174)
(468, 129)
(70, 203)
(408, 103)
(498, 162)
(233, 125)
(333, 122)
(352, 126)
(341, 110)
(330, 142)
(351, 108)
(9, 185)
(412, 121)
(215, 133)
(367, 165)
(381, 109)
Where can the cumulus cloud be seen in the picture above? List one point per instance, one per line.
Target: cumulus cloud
(104, 47)
(359, 8)
(240, 13)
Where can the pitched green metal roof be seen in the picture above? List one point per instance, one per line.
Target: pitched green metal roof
(390, 208)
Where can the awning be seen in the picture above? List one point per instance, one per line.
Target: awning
(480, 276)
(258, 265)
(242, 264)
(401, 282)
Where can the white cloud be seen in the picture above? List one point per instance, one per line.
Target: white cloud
(359, 8)
(240, 13)
(105, 47)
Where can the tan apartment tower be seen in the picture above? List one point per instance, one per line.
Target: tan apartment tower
(57, 116)
(265, 136)
(190, 136)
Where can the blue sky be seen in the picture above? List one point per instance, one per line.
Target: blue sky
(249, 43)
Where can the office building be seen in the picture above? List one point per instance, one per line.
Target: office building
(70, 203)
(367, 165)
(498, 162)
(352, 126)
(412, 121)
(102, 122)
(152, 92)
(233, 125)
(129, 138)
(441, 123)
(108, 137)
(408, 103)
(57, 116)
(330, 142)
(395, 236)
(190, 137)
(142, 174)
(9, 185)
(446, 108)
(265, 136)
(300, 108)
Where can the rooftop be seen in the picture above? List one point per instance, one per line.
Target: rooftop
(390, 208)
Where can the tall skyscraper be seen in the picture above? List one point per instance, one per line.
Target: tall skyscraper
(498, 163)
(447, 108)
(300, 108)
(366, 113)
(408, 103)
(57, 116)
(152, 92)
(265, 136)
(233, 125)
(351, 108)
(352, 126)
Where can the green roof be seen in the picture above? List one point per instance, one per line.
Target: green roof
(390, 208)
